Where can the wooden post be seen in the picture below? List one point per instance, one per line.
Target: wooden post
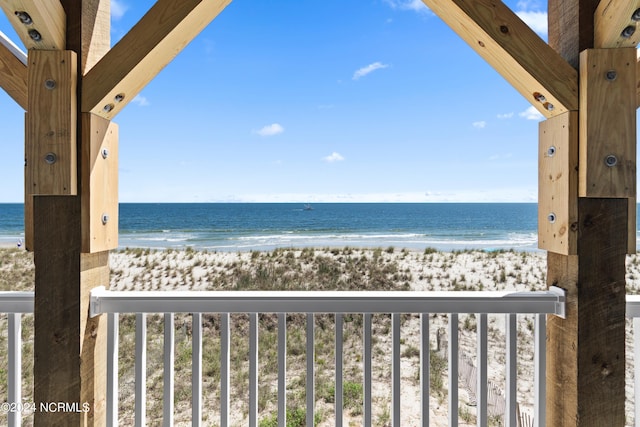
(71, 251)
(586, 351)
(71, 86)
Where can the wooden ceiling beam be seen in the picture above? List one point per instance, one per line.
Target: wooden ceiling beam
(539, 73)
(13, 71)
(143, 52)
(616, 23)
(39, 24)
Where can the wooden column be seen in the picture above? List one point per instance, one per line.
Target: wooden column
(586, 351)
(72, 86)
(70, 239)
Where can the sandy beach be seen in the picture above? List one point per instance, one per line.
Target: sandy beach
(322, 269)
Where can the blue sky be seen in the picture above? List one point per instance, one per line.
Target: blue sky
(311, 101)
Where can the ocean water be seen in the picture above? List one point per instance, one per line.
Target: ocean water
(265, 226)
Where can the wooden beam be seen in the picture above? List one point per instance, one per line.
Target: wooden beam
(39, 24)
(586, 351)
(51, 159)
(616, 22)
(558, 184)
(88, 30)
(70, 348)
(148, 47)
(57, 306)
(70, 354)
(571, 27)
(99, 189)
(608, 123)
(542, 76)
(13, 71)
(51, 125)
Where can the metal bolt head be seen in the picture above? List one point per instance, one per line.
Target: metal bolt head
(35, 35)
(551, 217)
(611, 75)
(108, 108)
(628, 31)
(611, 160)
(105, 153)
(539, 97)
(549, 106)
(636, 15)
(50, 84)
(24, 17)
(105, 219)
(119, 97)
(551, 151)
(50, 158)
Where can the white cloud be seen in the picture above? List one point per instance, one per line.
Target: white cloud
(141, 101)
(368, 69)
(413, 5)
(505, 116)
(531, 114)
(118, 9)
(333, 157)
(270, 130)
(536, 20)
(480, 125)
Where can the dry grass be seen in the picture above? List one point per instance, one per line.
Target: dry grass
(303, 269)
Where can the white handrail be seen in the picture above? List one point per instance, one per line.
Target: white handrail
(113, 302)
(16, 302)
(496, 302)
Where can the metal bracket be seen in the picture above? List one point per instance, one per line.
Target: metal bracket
(561, 303)
(94, 301)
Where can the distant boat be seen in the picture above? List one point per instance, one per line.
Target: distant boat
(308, 207)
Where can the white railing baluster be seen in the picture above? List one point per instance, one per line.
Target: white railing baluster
(310, 385)
(169, 362)
(425, 360)
(511, 334)
(253, 370)
(395, 371)
(483, 354)
(636, 368)
(141, 370)
(225, 360)
(367, 370)
(14, 376)
(196, 369)
(540, 339)
(453, 370)
(141, 302)
(113, 339)
(339, 385)
(282, 369)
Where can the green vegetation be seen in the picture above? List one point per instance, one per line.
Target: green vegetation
(287, 269)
